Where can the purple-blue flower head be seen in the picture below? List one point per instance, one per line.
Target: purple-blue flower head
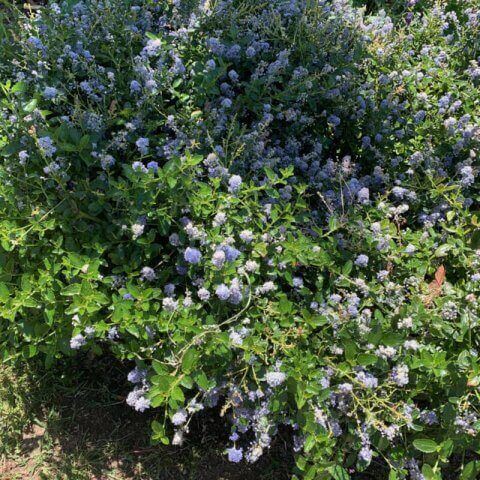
(361, 261)
(235, 455)
(142, 145)
(222, 292)
(234, 183)
(192, 255)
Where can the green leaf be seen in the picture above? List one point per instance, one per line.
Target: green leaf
(392, 475)
(159, 368)
(152, 36)
(338, 473)
(333, 223)
(442, 250)
(367, 359)
(30, 106)
(4, 292)
(446, 448)
(157, 427)
(429, 473)
(350, 350)
(194, 159)
(133, 330)
(186, 382)
(6, 245)
(347, 268)
(172, 181)
(202, 381)
(272, 176)
(177, 394)
(311, 473)
(425, 445)
(392, 339)
(301, 462)
(159, 433)
(18, 87)
(84, 142)
(450, 215)
(189, 360)
(31, 351)
(156, 400)
(162, 383)
(309, 443)
(285, 306)
(471, 470)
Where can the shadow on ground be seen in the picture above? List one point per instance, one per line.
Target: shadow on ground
(72, 423)
(82, 429)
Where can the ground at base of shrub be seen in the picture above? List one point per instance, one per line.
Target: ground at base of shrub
(81, 429)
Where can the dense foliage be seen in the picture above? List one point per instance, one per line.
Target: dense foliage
(267, 206)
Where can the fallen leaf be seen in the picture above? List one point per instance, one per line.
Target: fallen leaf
(113, 107)
(440, 275)
(435, 287)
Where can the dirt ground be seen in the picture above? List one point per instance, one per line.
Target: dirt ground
(81, 429)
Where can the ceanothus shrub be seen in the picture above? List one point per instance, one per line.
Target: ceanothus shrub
(270, 209)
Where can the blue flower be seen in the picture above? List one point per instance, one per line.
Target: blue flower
(361, 261)
(203, 294)
(222, 292)
(333, 120)
(50, 93)
(139, 167)
(235, 455)
(192, 255)
(363, 195)
(22, 157)
(180, 417)
(250, 52)
(234, 183)
(275, 379)
(137, 375)
(218, 258)
(142, 145)
(135, 86)
(298, 282)
(77, 341)
(226, 103)
(210, 64)
(231, 253)
(35, 42)
(137, 400)
(367, 379)
(46, 145)
(153, 166)
(365, 454)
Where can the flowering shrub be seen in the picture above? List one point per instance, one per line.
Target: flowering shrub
(268, 207)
